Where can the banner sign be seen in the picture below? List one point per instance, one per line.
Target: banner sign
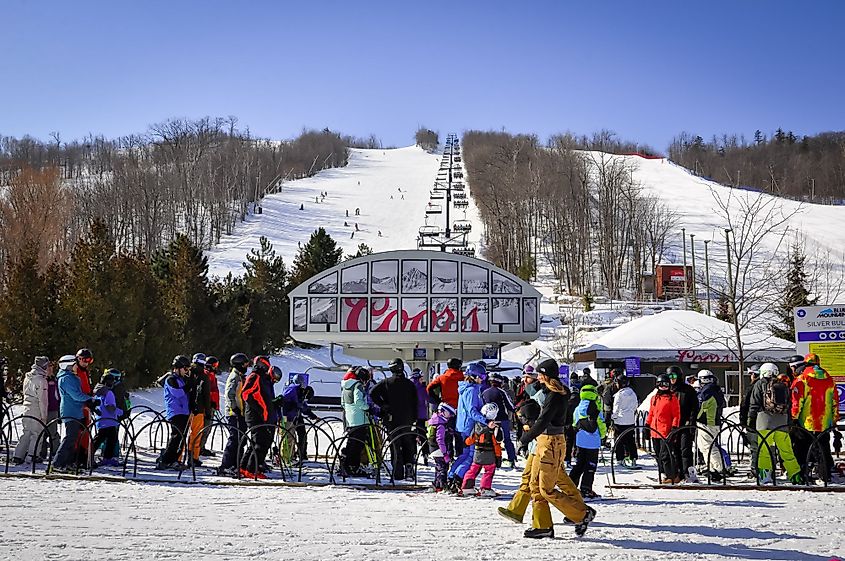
(632, 366)
(563, 371)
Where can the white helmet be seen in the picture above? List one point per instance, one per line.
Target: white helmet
(490, 411)
(769, 370)
(706, 377)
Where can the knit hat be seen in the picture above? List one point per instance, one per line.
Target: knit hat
(41, 362)
(549, 368)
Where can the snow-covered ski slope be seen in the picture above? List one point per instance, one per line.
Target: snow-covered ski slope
(390, 187)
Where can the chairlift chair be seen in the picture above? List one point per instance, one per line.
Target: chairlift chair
(461, 203)
(429, 231)
(437, 195)
(459, 195)
(461, 226)
(433, 209)
(468, 251)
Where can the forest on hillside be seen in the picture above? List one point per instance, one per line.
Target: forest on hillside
(809, 168)
(193, 177)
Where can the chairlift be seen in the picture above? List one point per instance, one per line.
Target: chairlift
(461, 203)
(433, 209)
(437, 195)
(462, 226)
(468, 251)
(458, 175)
(429, 231)
(460, 195)
(457, 186)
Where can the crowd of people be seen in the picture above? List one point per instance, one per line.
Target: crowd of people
(462, 420)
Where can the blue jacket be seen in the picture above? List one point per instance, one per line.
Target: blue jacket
(108, 412)
(588, 420)
(72, 397)
(175, 397)
(293, 403)
(469, 407)
(355, 408)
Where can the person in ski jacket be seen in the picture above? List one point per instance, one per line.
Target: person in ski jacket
(445, 386)
(437, 432)
(688, 400)
(422, 412)
(588, 420)
(295, 407)
(260, 415)
(72, 409)
(469, 413)
(625, 404)
(487, 453)
(528, 386)
(35, 403)
(815, 400)
(664, 415)
(176, 411)
(397, 398)
(108, 414)
(234, 408)
(496, 394)
(85, 360)
(711, 401)
(573, 400)
(549, 483)
(53, 406)
(769, 404)
(748, 420)
(200, 402)
(212, 367)
(607, 391)
(356, 414)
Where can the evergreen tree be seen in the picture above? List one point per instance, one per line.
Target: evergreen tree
(795, 294)
(320, 253)
(723, 308)
(265, 281)
(363, 249)
(27, 314)
(182, 272)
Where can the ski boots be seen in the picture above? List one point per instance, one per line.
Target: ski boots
(539, 533)
(581, 527)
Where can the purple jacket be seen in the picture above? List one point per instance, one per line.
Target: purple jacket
(422, 400)
(108, 411)
(437, 429)
(53, 399)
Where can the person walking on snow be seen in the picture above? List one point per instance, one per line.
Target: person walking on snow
(233, 452)
(770, 402)
(711, 401)
(549, 483)
(496, 395)
(588, 420)
(487, 455)
(625, 404)
(35, 402)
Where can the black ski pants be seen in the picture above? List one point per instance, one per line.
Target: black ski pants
(626, 447)
(178, 432)
(583, 470)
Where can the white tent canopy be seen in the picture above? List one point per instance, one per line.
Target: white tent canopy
(685, 336)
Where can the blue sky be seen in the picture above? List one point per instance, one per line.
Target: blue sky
(646, 70)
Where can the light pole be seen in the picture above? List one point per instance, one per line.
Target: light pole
(686, 290)
(730, 272)
(707, 274)
(692, 251)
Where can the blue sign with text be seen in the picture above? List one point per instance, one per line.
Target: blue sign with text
(632, 366)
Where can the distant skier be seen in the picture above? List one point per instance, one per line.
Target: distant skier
(356, 227)
(379, 233)
(358, 210)
(347, 213)
(302, 206)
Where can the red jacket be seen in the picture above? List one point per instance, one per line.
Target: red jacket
(664, 414)
(448, 384)
(215, 389)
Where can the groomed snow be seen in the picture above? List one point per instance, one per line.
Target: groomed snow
(73, 520)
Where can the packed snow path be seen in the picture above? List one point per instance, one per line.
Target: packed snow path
(91, 520)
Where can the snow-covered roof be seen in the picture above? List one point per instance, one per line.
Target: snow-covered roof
(686, 336)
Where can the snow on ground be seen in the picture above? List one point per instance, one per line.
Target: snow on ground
(391, 188)
(58, 519)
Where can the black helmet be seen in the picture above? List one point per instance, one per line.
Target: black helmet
(261, 364)
(181, 361)
(620, 379)
(664, 380)
(397, 365)
(239, 362)
(796, 361)
(277, 373)
(362, 373)
(528, 411)
(84, 352)
(674, 371)
(212, 363)
(454, 363)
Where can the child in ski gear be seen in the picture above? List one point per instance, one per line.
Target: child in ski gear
(815, 400)
(72, 409)
(664, 415)
(588, 420)
(549, 482)
(108, 419)
(769, 405)
(496, 394)
(294, 408)
(176, 410)
(235, 444)
(438, 429)
(487, 454)
(35, 403)
(625, 404)
(711, 401)
(355, 411)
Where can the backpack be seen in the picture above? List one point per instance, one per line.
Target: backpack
(776, 397)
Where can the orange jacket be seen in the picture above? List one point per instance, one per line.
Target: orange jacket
(448, 384)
